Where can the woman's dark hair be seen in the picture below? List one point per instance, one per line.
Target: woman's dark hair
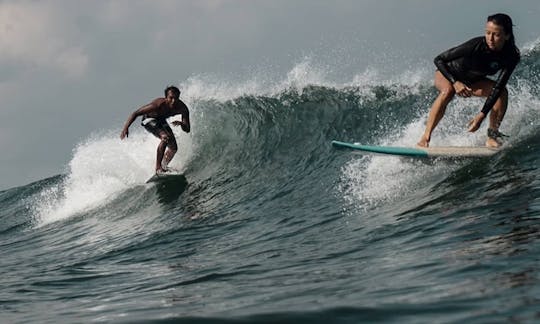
(505, 22)
(173, 89)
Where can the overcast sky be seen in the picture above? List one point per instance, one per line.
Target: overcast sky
(69, 68)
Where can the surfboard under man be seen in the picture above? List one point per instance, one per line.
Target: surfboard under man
(154, 120)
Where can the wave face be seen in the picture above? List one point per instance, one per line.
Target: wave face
(273, 224)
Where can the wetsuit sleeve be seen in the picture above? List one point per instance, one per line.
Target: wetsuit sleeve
(501, 82)
(452, 54)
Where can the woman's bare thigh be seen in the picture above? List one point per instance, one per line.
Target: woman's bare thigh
(441, 83)
(482, 88)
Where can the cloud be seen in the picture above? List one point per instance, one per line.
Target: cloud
(73, 61)
(36, 34)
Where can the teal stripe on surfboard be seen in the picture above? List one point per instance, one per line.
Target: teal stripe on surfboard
(392, 150)
(441, 151)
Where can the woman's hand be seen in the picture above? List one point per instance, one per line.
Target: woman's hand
(475, 123)
(462, 89)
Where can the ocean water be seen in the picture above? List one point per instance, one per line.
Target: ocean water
(274, 225)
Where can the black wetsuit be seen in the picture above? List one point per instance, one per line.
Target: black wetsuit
(472, 61)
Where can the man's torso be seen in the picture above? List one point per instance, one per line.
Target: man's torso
(163, 111)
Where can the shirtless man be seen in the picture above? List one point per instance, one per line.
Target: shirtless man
(154, 120)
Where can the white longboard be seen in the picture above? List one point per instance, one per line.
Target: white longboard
(421, 152)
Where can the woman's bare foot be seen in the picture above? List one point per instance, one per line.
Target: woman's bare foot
(423, 142)
(493, 143)
(494, 138)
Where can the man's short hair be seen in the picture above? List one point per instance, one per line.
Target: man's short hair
(173, 89)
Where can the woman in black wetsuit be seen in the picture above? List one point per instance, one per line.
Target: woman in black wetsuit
(462, 70)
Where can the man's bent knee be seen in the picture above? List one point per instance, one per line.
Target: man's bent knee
(170, 142)
(165, 138)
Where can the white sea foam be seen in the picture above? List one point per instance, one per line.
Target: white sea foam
(101, 168)
(370, 180)
(302, 74)
(530, 46)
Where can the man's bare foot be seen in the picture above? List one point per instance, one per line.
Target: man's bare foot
(493, 143)
(423, 142)
(161, 171)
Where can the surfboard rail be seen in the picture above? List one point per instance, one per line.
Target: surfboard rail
(168, 176)
(421, 152)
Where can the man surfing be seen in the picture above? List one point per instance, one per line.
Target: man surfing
(154, 120)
